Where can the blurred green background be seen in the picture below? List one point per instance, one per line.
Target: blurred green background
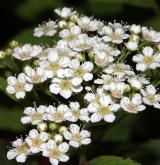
(136, 136)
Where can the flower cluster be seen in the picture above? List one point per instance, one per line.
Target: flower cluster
(94, 70)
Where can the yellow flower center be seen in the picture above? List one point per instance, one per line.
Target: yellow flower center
(23, 149)
(76, 137)
(103, 110)
(151, 98)
(132, 107)
(36, 142)
(58, 116)
(148, 60)
(37, 116)
(116, 36)
(54, 66)
(36, 79)
(65, 85)
(76, 113)
(19, 87)
(79, 72)
(55, 153)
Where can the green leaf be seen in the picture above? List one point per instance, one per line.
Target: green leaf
(121, 131)
(31, 9)
(10, 119)
(112, 160)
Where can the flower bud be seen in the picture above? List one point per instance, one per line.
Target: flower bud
(42, 127)
(135, 29)
(49, 136)
(53, 126)
(127, 88)
(62, 24)
(14, 44)
(132, 45)
(36, 63)
(8, 51)
(2, 55)
(73, 18)
(58, 138)
(80, 57)
(91, 55)
(70, 24)
(134, 38)
(62, 129)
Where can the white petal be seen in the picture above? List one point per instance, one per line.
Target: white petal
(21, 158)
(66, 93)
(141, 67)
(20, 95)
(76, 81)
(10, 89)
(54, 88)
(86, 141)
(88, 76)
(63, 147)
(67, 135)
(148, 51)
(109, 118)
(74, 128)
(64, 158)
(74, 144)
(11, 154)
(53, 161)
(88, 66)
(96, 117)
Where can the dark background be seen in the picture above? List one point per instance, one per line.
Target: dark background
(136, 136)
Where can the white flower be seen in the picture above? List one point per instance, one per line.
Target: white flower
(103, 110)
(34, 115)
(82, 43)
(76, 136)
(80, 72)
(54, 64)
(150, 35)
(70, 35)
(57, 115)
(106, 80)
(104, 54)
(116, 35)
(65, 12)
(20, 151)
(35, 76)
(35, 140)
(135, 29)
(132, 45)
(94, 97)
(64, 87)
(133, 105)
(137, 81)
(43, 55)
(46, 29)
(150, 97)
(117, 89)
(119, 69)
(147, 60)
(26, 52)
(75, 113)
(55, 153)
(18, 86)
(88, 24)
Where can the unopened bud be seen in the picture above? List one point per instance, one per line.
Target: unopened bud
(62, 24)
(58, 138)
(70, 24)
(8, 52)
(53, 126)
(73, 18)
(36, 63)
(14, 44)
(2, 55)
(62, 129)
(42, 127)
(132, 45)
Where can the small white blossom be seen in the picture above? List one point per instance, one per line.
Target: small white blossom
(80, 72)
(75, 113)
(132, 45)
(57, 115)
(150, 35)
(150, 97)
(147, 60)
(56, 153)
(65, 12)
(26, 52)
(64, 87)
(54, 64)
(116, 35)
(133, 105)
(119, 69)
(35, 76)
(20, 151)
(82, 43)
(88, 24)
(135, 29)
(35, 140)
(70, 35)
(76, 136)
(104, 54)
(103, 110)
(18, 86)
(46, 29)
(34, 115)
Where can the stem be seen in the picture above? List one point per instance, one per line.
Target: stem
(82, 157)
